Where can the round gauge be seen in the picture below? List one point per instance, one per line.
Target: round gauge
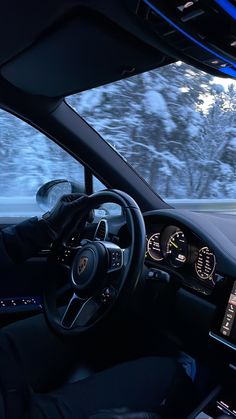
(177, 249)
(205, 263)
(153, 247)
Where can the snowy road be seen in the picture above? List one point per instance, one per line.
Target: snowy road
(27, 206)
(19, 207)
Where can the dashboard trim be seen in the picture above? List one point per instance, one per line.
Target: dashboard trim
(222, 340)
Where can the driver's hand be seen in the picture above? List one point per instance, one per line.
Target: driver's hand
(29, 237)
(66, 214)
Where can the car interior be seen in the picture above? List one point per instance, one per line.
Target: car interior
(172, 272)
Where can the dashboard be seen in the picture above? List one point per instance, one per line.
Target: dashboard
(179, 249)
(198, 248)
(202, 244)
(198, 252)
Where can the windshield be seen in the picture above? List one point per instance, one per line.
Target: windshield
(175, 125)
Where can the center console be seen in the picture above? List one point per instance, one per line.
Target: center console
(221, 402)
(224, 327)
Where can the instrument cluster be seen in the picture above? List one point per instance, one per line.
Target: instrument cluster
(181, 250)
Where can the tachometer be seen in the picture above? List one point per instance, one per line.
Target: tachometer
(153, 247)
(205, 263)
(177, 249)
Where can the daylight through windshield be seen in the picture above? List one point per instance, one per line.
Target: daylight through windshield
(175, 125)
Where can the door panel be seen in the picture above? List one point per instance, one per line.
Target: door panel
(28, 160)
(22, 287)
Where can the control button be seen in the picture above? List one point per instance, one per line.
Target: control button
(158, 275)
(108, 294)
(188, 4)
(31, 303)
(115, 259)
(150, 274)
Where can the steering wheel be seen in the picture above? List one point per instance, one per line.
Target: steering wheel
(101, 272)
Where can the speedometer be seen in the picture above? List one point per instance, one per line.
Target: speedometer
(205, 263)
(177, 249)
(154, 248)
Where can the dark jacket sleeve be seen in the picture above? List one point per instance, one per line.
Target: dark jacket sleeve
(24, 240)
(4, 257)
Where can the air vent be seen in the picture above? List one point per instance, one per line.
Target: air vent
(101, 231)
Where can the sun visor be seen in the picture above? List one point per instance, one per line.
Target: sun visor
(84, 52)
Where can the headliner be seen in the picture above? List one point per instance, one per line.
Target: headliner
(59, 47)
(54, 48)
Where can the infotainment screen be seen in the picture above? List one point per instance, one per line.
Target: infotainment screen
(228, 326)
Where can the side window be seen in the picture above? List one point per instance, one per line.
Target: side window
(28, 159)
(107, 209)
(97, 185)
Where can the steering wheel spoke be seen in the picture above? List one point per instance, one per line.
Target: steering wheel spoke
(63, 255)
(115, 257)
(79, 312)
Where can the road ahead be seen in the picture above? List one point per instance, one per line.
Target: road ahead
(27, 206)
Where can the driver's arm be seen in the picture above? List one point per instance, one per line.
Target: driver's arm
(24, 240)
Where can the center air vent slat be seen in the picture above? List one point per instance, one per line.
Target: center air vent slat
(101, 231)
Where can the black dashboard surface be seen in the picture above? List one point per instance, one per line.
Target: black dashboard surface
(217, 231)
(199, 249)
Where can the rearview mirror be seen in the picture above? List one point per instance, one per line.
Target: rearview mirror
(49, 193)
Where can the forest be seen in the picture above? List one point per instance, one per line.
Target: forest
(175, 125)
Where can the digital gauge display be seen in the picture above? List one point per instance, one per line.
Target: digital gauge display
(154, 248)
(205, 263)
(177, 249)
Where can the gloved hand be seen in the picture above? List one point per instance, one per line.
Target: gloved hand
(26, 239)
(66, 214)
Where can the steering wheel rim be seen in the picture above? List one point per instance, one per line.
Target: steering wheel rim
(101, 272)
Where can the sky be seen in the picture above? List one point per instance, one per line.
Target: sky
(224, 82)
(207, 100)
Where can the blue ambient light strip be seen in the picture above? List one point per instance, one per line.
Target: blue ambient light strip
(229, 71)
(228, 7)
(224, 70)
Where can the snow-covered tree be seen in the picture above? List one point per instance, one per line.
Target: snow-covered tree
(174, 125)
